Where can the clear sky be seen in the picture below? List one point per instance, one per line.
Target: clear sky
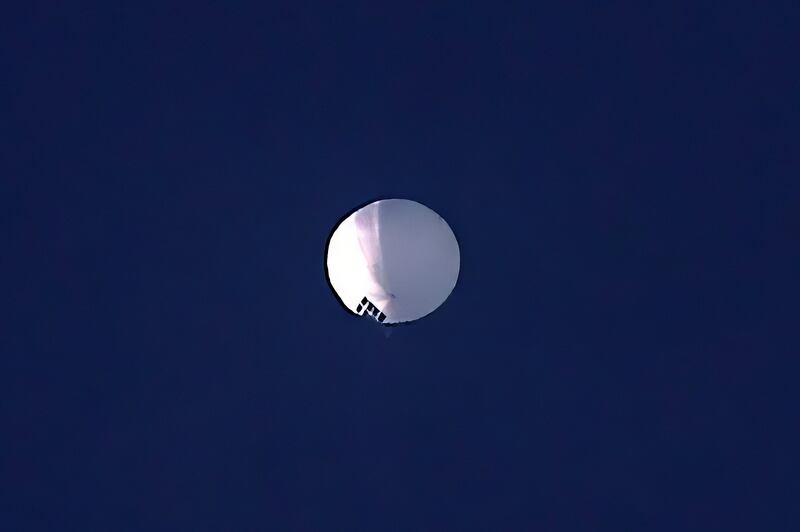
(616, 355)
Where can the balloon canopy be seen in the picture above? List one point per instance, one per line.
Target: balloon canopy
(394, 259)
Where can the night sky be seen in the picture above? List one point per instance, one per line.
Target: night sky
(616, 355)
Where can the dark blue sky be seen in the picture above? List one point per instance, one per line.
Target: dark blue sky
(615, 356)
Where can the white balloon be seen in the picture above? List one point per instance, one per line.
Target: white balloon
(394, 259)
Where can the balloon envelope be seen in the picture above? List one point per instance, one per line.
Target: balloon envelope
(394, 259)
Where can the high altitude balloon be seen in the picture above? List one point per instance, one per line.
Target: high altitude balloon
(393, 259)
